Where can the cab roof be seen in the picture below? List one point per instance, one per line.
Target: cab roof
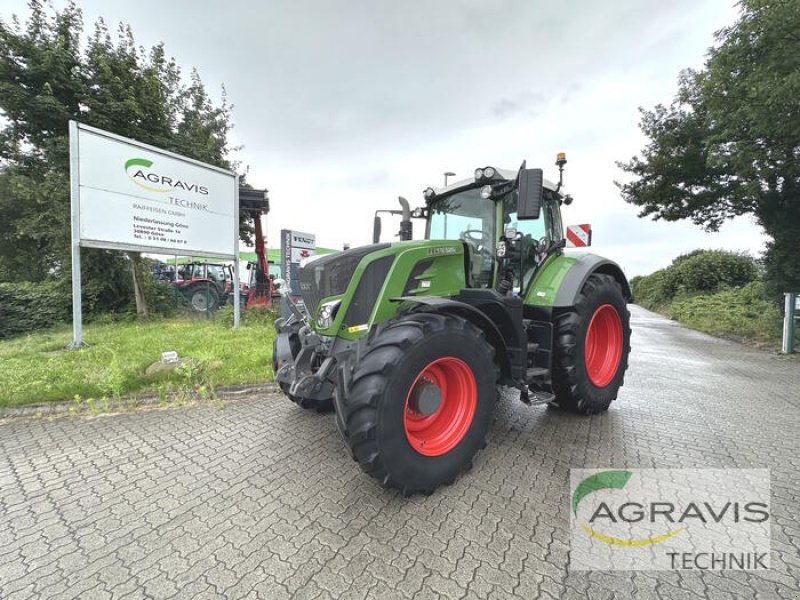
(508, 174)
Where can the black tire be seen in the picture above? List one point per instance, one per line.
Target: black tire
(576, 391)
(202, 299)
(373, 415)
(322, 406)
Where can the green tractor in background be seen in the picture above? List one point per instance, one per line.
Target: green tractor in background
(409, 341)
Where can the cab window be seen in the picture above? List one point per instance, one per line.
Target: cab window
(532, 231)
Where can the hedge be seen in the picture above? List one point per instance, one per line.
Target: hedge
(28, 306)
(699, 272)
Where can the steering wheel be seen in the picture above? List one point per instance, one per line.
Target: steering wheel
(476, 237)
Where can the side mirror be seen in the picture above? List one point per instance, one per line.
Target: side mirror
(531, 190)
(376, 230)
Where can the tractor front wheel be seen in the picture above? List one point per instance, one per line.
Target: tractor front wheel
(592, 343)
(421, 401)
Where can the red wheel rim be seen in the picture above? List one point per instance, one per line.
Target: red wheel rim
(439, 432)
(603, 348)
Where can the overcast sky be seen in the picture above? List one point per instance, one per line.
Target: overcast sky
(342, 106)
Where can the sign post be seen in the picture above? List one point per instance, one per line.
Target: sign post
(237, 301)
(790, 314)
(74, 192)
(126, 195)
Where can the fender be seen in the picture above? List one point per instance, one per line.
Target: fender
(470, 313)
(578, 274)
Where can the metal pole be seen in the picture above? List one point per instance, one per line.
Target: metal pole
(788, 323)
(74, 181)
(175, 283)
(237, 308)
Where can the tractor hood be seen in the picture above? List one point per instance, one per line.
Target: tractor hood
(329, 275)
(346, 291)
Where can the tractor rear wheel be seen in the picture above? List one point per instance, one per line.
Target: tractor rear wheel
(202, 298)
(592, 343)
(421, 401)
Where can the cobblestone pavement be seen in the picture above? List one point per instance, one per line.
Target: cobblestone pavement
(260, 499)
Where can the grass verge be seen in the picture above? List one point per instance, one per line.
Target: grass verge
(742, 314)
(37, 367)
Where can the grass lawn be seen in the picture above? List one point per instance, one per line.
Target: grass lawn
(37, 368)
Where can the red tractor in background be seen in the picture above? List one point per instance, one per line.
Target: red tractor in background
(208, 285)
(205, 286)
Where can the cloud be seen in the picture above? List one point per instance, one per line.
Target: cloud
(527, 103)
(343, 106)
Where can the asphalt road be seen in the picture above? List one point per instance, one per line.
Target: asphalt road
(260, 499)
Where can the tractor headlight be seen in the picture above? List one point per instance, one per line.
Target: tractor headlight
(486, 192)
(429, 193)
(327, 312)
(478, 174)
(489, 172)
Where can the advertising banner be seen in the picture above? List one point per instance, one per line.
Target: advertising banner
(126, 195)
(133, 196)
(295, 246)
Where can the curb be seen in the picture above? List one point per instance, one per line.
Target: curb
(123, 404)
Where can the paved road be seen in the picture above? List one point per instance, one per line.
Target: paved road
(260, 499)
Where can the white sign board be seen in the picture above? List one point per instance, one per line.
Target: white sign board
(133, 196)
(303, 246)
(126, 195)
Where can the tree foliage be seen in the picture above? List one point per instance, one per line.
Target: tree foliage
(51, 73)
(729, 143)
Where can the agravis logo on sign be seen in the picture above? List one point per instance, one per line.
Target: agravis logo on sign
(140, 171)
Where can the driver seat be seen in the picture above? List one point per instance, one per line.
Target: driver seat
(473, 268)
(469, 260)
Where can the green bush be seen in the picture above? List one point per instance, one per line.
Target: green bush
(27, 307)
(698, 272)
(744, 313)
(162, 297)
(712, 271)
(719, 292)
(650, 290)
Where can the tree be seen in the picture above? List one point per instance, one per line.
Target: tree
(729, 143)
(46, 80)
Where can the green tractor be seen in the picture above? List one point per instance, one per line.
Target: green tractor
(410, 341)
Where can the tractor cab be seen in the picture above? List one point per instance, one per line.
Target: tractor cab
(485, 214)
